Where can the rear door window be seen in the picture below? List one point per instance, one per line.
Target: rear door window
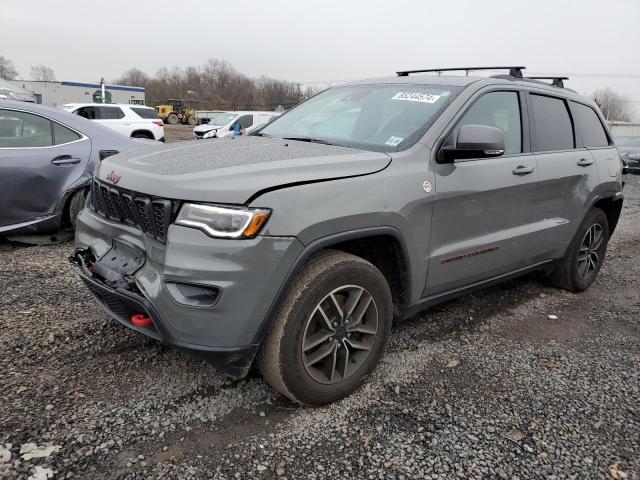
(496, 109)
(553, 128)
(86, 112)
(109, 113)
(589, 126)
(24, 130)
(147, 113)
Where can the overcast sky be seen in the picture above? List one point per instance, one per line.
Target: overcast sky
(327, 40)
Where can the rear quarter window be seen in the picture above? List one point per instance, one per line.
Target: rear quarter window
(589, 126)
(148, 113)
(62, 134)
(553, 128)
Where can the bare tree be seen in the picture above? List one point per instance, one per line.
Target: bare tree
(133, 77)
(7, 70)
(216, 84)
(613, 105)
(42, 73)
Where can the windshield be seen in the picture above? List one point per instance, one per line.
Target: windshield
(382, 117)
(222, 118)
(628, 141)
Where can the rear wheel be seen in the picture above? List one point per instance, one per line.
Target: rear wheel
(142, 135)
(330, 331)
(76, 203)
(580, 267)
(172, 119)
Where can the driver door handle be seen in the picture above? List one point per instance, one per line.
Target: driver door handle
(522, 170)
(65, 160)
(583, 162)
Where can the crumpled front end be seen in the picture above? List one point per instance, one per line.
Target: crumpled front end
(207, 295)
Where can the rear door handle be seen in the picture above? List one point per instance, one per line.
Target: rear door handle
(522, 170)
(583, 162)
(65, 160)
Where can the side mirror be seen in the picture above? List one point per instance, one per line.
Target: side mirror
(474, 141)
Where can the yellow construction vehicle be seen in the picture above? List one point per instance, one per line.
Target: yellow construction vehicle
(173, 113)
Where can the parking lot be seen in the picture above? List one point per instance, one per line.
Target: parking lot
(518, 381)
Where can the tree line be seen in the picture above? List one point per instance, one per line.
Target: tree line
(216, 85)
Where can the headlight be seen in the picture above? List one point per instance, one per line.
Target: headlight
(209, 134)
(223, 222)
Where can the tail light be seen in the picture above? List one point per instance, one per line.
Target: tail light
(159, 122)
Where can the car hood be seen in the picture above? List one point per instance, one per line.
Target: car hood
(236, 170)
(207, 127)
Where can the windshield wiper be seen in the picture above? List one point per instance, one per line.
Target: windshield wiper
(309, 139)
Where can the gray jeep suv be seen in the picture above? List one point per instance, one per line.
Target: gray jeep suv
(299, 245)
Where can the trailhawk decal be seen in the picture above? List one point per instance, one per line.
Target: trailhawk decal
(416, 97)
(470, 254)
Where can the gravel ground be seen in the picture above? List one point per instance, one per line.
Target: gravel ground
(485, 386)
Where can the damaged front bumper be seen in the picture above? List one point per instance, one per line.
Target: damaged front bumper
(169, 283)
(122, 305)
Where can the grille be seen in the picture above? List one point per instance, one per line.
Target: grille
(150, 214)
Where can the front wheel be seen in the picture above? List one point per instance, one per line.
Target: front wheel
(580, 267)
(329, 333)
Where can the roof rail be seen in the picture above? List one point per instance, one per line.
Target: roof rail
(555, 81)
(513, 71)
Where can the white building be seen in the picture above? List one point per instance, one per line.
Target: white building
(56, 94)
(624, 129)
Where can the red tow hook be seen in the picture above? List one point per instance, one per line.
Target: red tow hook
(140, 320)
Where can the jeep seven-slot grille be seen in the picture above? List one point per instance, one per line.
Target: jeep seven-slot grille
(150, 214)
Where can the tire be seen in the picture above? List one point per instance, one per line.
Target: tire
(307, 376)
(143, 135)
(192, 120)
(172, 119)
(76, 203)
(570, 273)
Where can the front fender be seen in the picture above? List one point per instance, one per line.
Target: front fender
(325, 243)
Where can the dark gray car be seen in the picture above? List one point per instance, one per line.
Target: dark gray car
(630, 151)
(299, 245)
(47, 157)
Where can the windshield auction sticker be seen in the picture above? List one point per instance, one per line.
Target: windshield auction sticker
(394, 141)
(416, 97)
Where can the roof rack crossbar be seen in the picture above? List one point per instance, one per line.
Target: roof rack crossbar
(514, 71)
(555, 81)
